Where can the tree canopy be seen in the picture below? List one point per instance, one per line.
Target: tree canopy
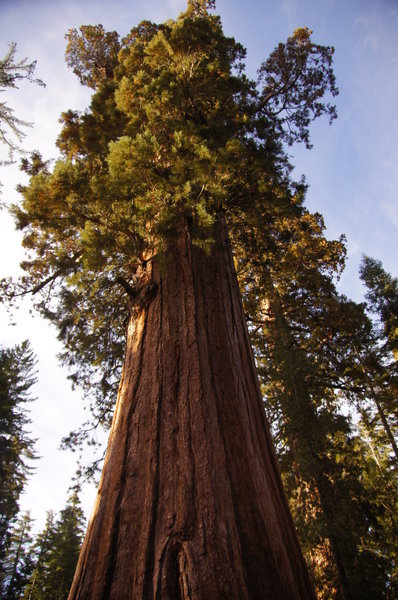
(175, 130)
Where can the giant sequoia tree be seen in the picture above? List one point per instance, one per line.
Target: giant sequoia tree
(128, 240)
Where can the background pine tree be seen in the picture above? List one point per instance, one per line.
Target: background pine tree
(17, 376)
(56, 550)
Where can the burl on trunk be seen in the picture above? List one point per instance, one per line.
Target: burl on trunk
(190, 503)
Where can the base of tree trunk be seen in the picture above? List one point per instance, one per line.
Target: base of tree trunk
(190, 503)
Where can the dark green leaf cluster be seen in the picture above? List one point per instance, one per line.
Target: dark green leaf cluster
(17, 564)
(42, 567)
(382, 296)
(55, 551)
(17, 375)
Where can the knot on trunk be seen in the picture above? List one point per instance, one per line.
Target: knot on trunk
(139, 294)
(143, 297)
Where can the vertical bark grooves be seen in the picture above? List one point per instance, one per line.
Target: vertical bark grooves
(190, 504)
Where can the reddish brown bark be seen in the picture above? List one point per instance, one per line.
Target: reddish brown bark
(190, 503)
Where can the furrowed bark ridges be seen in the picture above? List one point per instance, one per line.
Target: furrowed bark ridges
(195, 508)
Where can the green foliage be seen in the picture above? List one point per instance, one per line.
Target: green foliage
(18, 562)
(382, 295)
(295, 79)
(313, 349)
(56, 550)
(200, 7)
(17, 375)
(12, 72)
(381, 484)
(43, 567)
(92, 53)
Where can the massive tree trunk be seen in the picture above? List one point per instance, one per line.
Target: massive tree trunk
(190, 503)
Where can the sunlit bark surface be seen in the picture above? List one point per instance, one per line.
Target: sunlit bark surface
(190, 503)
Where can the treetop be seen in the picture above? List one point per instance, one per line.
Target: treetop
(175, 132)
(200, 7)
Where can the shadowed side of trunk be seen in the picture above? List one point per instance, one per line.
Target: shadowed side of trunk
(190, 503)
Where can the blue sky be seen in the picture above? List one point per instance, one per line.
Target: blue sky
(352, 170)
